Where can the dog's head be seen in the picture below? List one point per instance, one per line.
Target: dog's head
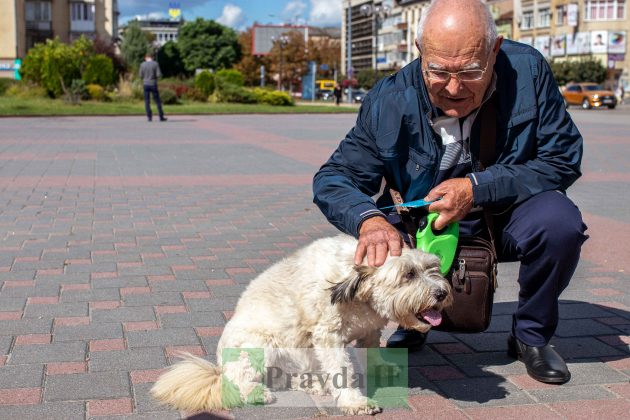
(408, 289)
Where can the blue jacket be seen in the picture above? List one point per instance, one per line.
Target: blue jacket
(538, 147)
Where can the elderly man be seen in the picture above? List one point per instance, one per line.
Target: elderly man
(418, 132)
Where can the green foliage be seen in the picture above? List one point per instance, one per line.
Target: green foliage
(273, 97)
(6, 84)
(232, 76)
(204, 82)
(96, 92)
(31, 69)
(59, 67)
(135, 45)
(25, 90)
(228, 92)
(99, 70)
(168, 96)
(195, 94)
(170, 60)
(76, 91)
(583, 70)
(82, 51)
(206, 44)
(368, 78)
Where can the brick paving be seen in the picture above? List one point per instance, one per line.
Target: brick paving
(124, 243)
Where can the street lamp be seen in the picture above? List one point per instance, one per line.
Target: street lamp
(282, 42)
(349, 70)
(379, 13)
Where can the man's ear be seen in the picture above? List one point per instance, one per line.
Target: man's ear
(347, 289)
(497, 44)
(418, 45)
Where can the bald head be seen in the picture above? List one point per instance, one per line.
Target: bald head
(465, 20)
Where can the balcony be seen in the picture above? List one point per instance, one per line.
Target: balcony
(82, 26)
(38, 25)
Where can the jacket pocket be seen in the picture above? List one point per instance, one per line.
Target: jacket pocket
(420, 172)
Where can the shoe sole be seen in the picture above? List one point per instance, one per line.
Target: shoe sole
(514, 354)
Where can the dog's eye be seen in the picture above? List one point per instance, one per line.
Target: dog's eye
(410, 275)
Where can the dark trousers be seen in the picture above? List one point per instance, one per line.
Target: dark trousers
(544, 233)
(148, 90)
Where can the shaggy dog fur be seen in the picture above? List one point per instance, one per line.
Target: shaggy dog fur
(316, 298)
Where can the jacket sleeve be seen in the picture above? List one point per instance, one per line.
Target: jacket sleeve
(344, 185)
(555, 163)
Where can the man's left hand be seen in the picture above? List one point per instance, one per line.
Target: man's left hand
(456, 201)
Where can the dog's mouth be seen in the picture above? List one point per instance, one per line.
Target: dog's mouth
(431, 316)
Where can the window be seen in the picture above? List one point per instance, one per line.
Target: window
(544, 18)
(604, 9)
(82, 11)
(560, 15)
(37, 11)
(528, 20)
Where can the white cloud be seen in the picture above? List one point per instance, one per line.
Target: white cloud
(232, 16)
(293, 10)
(325, 12)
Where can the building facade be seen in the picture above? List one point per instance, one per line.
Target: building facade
(574, 29)
(163, 30)
(24, 23)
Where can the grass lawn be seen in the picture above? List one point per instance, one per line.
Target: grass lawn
(10, 106)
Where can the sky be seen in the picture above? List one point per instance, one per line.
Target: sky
(239, 14)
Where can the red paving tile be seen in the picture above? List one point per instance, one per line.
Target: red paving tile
(623, 390)
(526, 382)
(145, 376)
(72, 321)
(107, 345)
(140, 325)
(209, 331)
(124, 291)
(33, 339)
(105, 304)
(220, 282)
(618, 363)
(166, 277)
(519, 412)
(174, 351)
(3, 360)
(7, 316)
(67, 287)
(43, 300)
(196, 295)
(19, 283)
(430, 403)
(66, 368)
(117, 407)
(439, 373)
(173, 309)
(20, 396)
(588, 410)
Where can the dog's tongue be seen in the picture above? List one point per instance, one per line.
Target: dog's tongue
(432, 316)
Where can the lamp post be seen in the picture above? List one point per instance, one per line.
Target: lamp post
(349, 70)
(282, 41)
(378, 13)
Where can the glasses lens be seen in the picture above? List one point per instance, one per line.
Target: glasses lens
(470, 75)
(440, 75)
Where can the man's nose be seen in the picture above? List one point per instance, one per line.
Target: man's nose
(453, 86)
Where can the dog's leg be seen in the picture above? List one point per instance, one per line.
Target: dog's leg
(335, 362)
(377, 365)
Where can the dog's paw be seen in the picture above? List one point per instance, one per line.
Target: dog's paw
(351, 402)
(268, 396)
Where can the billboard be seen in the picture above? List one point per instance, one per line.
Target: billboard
(264, 35)
(599, 42)
(541, 43)
(617, 42)
(558, 45)
(579, 43)
(527, 40)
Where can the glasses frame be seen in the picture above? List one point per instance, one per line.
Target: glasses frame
(456, 74)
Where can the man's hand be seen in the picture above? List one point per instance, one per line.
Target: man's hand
(456, 201)
(376, 238)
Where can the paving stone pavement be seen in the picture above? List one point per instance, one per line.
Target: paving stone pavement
(124, 243)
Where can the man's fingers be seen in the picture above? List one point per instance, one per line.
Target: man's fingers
(395, 248)
(359, 254)
(371, 254)
(441, 222)
(381, 254)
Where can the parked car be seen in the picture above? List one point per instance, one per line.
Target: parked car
(325, 94)
(588, 95)
(358, 95)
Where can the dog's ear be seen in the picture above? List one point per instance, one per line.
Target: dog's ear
(347, 289)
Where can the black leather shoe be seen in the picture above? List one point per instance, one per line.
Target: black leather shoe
(163, 119)
(411, 339)
(543, 363)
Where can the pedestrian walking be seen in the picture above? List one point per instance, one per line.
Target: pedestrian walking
(337, 93)
(150, 73)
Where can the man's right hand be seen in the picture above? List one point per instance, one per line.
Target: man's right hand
(377, 238)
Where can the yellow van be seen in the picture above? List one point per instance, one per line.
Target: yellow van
(324, 84)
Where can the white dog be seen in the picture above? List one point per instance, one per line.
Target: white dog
(318, 299)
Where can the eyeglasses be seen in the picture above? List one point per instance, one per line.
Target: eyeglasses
(462, 76)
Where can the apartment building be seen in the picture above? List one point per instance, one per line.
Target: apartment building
(573, 29)
(163, 30)
(382, 32)
(23, 23)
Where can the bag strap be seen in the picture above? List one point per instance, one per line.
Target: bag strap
(405, 217)
(487, 149)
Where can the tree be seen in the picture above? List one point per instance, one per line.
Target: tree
(325, 51)
(206, 44)
(584, 70)
(289, 59)
(250, 64)
(135, 45)
(170, 60)
(53, 65)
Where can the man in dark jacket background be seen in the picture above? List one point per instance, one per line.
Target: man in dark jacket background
(418, 132)
(150, 73)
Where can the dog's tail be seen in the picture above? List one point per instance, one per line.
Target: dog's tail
(192, 384)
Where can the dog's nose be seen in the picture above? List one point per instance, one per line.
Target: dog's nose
(440, 294)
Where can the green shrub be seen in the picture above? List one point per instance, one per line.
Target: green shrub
(96, 92)
(25, 90)
(5, 84)
(228, 92)
(231, 76)
(99, 70)
(273, 97)
(76, 91)
(168, 96)
(205, 83)
(195, 94)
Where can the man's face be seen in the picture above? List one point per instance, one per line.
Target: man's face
(456, 97)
